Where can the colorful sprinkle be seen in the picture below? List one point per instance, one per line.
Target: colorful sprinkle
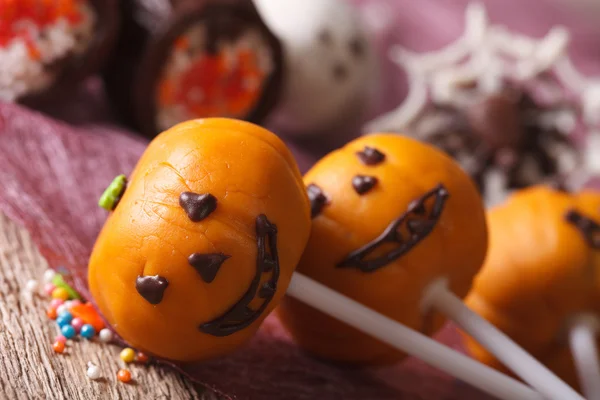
(59, 282)
(105, 335)
(127, 355)
(62, 309)
(51, 312)
(68, 331)
(93, 372)
(58, 347)
(49, 288)
(87, 331)
(32, 286)
(60, 293)
(56, 303)
(124, 375)
(142, 358)
(72, 303)
(89, 315)
(48, 275)
(64, 318)
(60, 338)
(78, 323)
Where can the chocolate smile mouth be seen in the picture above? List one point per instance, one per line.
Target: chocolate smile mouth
(406, 231)
(240, 315)
(589, 229)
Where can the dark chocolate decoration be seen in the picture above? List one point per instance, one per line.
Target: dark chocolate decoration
(240, 315)
(197, 206)
(362, 183)
(148, 33)
(267, 290)
(207, 265)
(496, 120)
(417, 227)
(325, 37)
(357, 47)
(317, 198)
(370, 156)
(340, 72)
(500, 132)
(589, 228)
(151, 288)
(560, 186)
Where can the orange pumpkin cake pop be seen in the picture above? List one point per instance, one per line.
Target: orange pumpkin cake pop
(202, 242)
(390, 216)
(540, 274)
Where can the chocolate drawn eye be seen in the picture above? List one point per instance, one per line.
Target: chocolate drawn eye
(325, 37)
(363, 183)
(589, 229)
(370, 156)
(197, 206)
(340, 72)
(357, 47)
(317, 198)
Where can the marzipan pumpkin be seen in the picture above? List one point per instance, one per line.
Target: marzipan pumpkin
(203, 241)
(390, 216)
(541, 271)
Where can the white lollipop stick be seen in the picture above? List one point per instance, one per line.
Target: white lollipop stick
(407, 340)
(439, 297)
(582, 338)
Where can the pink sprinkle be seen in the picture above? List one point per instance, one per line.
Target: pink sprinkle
(73, 303)
(77, 323)
(56, 302)
(60, 338)
(49, 288)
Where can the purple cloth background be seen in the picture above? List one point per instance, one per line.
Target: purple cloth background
(52, 173)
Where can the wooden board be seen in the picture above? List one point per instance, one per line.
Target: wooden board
(29, 369)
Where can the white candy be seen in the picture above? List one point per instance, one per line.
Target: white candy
(330, 67)
(32, 286)
(49, 275)
(61, 309)
(93, 372)
(105, 335)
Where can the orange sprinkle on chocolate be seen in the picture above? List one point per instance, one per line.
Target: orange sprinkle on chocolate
(41, 13)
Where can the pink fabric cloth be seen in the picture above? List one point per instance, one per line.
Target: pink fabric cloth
(52, 174)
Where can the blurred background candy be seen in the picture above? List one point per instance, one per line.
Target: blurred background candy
(331, 71)
(180, 60)
(48, 47)
(504, 104)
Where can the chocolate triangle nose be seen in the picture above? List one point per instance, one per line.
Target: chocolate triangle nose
(207, 265)
(151, 288)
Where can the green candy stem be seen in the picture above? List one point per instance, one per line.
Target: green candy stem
(113, 193)
(59, 281)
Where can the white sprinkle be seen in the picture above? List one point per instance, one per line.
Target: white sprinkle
(61, 309)
(93, 372)
(49, 275)
(591, 103)
(592, 152)
(32, 286)
(105, 335)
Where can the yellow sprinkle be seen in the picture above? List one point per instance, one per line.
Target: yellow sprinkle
(127, 355)
(60, 293)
